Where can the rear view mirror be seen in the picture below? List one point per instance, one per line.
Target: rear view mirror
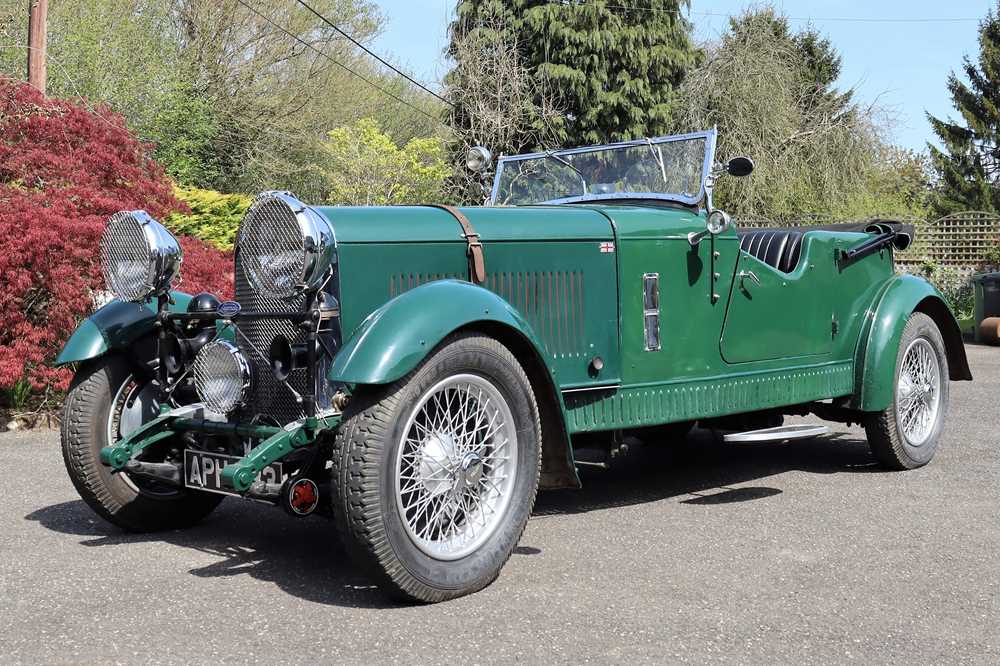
(739, 167)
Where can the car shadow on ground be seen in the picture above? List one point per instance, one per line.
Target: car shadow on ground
(304, 558)
(703, 470)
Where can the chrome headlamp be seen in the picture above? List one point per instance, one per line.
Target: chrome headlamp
(284, 247)
(139, 257)
(221, 376)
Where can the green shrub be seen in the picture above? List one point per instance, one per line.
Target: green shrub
(366, 167)
(991, 261)
(214, 216)
(954, 285)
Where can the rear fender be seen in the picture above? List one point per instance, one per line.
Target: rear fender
(394, 339)
(879, 342)
(116, 326)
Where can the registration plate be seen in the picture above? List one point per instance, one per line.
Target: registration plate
(203, 470)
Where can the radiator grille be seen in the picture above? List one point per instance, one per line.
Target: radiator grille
(269, 400)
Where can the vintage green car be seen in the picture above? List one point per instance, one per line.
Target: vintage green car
(420, 372)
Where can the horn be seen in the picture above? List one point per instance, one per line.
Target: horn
(286, 357)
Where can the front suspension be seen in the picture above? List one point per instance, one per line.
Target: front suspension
(240, 475)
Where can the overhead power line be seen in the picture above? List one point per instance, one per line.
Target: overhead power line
(375, 55)
(340, 64)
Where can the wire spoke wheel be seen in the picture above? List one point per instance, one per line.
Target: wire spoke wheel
(456, 466)
(105, 403)
(436, 473)
(918, 392)
(135, 403)
(907, 432)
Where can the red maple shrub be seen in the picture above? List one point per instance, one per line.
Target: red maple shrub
(64, 169)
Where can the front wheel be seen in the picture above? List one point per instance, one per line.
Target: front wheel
(437, 473)
(906, 434)
(105, 402)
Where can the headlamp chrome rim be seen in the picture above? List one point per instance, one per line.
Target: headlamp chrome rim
(316, 242)
(135, 232)
(207, 375)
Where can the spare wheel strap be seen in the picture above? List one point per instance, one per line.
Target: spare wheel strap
(477, 263)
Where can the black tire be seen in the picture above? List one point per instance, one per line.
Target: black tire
(887, 437)
(364, 459)
(112, 496)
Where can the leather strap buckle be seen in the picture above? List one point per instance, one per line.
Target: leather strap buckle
(474, 249)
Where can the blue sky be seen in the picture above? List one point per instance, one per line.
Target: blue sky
(902, 63)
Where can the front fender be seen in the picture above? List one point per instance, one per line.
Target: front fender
(879, 343)
(393, 339)
(115, 326)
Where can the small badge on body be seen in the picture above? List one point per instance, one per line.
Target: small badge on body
(228, 309)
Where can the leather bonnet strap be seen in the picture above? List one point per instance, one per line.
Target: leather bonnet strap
(477, 263)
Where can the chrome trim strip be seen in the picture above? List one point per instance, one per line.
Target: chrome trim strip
(779, 434)
(602, 387)
(650, 308)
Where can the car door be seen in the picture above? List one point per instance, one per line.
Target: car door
(673, 294)
(777, 308)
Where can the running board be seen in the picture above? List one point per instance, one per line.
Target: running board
(779, 434)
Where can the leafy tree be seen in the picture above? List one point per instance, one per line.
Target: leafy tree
(969, 166)
(900, 183)
(228, 97)
(185, 135)
(610, 67)
(365, 167)
(771, 94)
(497, 102)
(63, 170)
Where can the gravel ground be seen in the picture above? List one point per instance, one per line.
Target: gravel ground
(800, 552)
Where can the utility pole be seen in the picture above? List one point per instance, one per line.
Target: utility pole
(37, 19)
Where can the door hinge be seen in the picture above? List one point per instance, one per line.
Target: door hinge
(834, 327)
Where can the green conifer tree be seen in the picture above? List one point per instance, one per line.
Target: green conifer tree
(609, 66)
(969, 166)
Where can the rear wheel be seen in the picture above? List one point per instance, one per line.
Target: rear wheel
(906, 434)
(106, 402)
(437, 473)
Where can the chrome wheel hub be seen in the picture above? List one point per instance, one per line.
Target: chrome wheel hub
(471, 470)
(918, 392)
(456, 466)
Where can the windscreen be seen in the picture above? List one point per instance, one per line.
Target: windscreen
(670, 167)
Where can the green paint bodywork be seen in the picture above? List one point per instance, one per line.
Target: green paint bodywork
(538, 260)
(396, 337)
(567, 282)
(879, 343)
(115, 326)
(728, 345)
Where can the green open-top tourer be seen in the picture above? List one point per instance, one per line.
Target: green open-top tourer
(419, 372)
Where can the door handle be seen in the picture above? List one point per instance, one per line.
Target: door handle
(748, 274)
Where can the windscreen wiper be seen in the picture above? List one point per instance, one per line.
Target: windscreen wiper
(551, 154)
(658, 157)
